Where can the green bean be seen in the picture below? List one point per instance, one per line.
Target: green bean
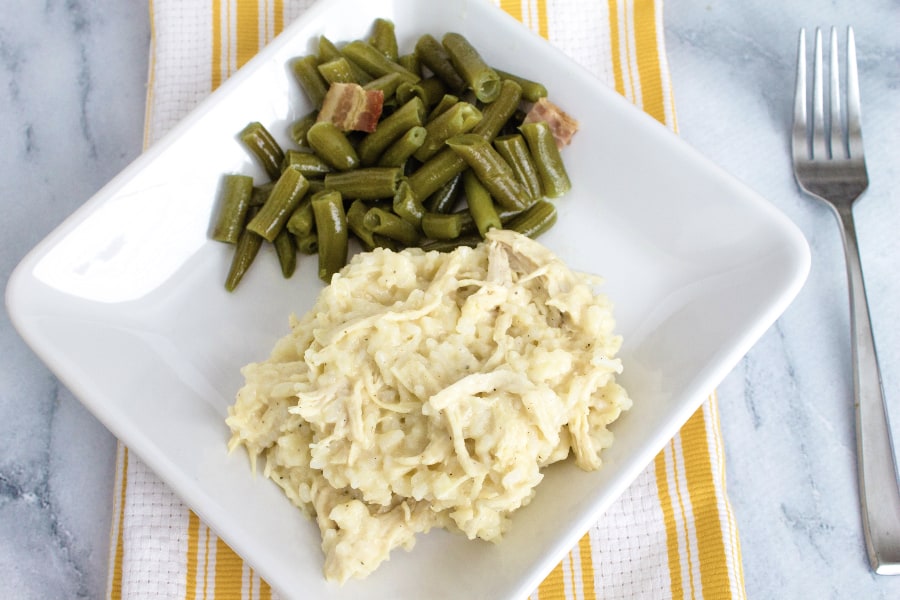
(300, 127)
(311, 165)
(282, 202)
(535, 220)
(440, 168)
(331, 230)
(245, 251)
(306, 72)
(460, 118)
(308, 243)
(444, 104)
(496, 114)
(384, 222)
(449, 245)
(550, 168)
(257, 139)
(433, 55)
(384, 39)
(261, 193)
(302, 221)
(386, 83)
(445, 198)
(286, 252)
(332, 146)
(492, 170)
(411, 63)
(479, 77)
(366, 184)
(399, 152)
(532, 91)
(374, 62)
(407, 206)
(237, 191)
(515, 152)
(337, 71)
(390, 129)
(328, 51)
(439, 226)
(480, 203)
(356, 223)
(430, 90)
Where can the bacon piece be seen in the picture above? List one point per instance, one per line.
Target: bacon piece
(352, 108)
(561, 124)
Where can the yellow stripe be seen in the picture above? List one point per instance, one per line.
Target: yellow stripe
(698, 470)
(265, 592)
(115, 592)
(216, 67)
(151, 75)
(247, 30)
(553, 587)
(648, 59)
(543, 28)
(665, 502)
(513, 7)
(279, 16)
(587, 568)
(192, 555)
(614, 41)
(229, 570)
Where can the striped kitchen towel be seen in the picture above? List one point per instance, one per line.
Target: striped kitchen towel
(671, 534)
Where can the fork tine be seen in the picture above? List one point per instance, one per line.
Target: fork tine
(799, 137)
(837, 132)
(819, 148)
(854, 120)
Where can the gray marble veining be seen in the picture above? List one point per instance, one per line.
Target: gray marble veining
(72, 77)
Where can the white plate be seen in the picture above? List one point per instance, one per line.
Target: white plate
(125, 302)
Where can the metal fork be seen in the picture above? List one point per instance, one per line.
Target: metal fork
(829, 164)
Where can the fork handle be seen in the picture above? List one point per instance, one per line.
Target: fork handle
(878, 482)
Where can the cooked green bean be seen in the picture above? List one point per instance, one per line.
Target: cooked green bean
(332, 146)
(551, 170)
(460, 118)
(439, 226)
(286, 252)
(306, 72)
(535, 220)
(445, 198)
(300, 127)
(430, 90)
(374, 62)
(384, 222)
(433, 55)
(328, 51)
(356, 222)
(407, 206)
(385, 39)
(399, 152)
(411, 63)
(245, 251)
(234, 201)
(366, 184)
(389, 130)
(440, 168)
(496, 114)
(282, 202)
(515, 152)
(307, 244)
(386, 83)
(442, 106)
(302, 221)
(257, 139)
(480, 203)
(311, 165)
(331, 230)
(532, 91)
(261, 193)
(492, 170)
(337, 71)
(449, 245)
(479, 77)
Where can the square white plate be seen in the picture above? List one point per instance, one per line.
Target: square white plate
(124, 301)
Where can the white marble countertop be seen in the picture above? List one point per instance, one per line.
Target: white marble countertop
(72, 78)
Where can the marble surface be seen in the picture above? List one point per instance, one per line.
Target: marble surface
(72, 76)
